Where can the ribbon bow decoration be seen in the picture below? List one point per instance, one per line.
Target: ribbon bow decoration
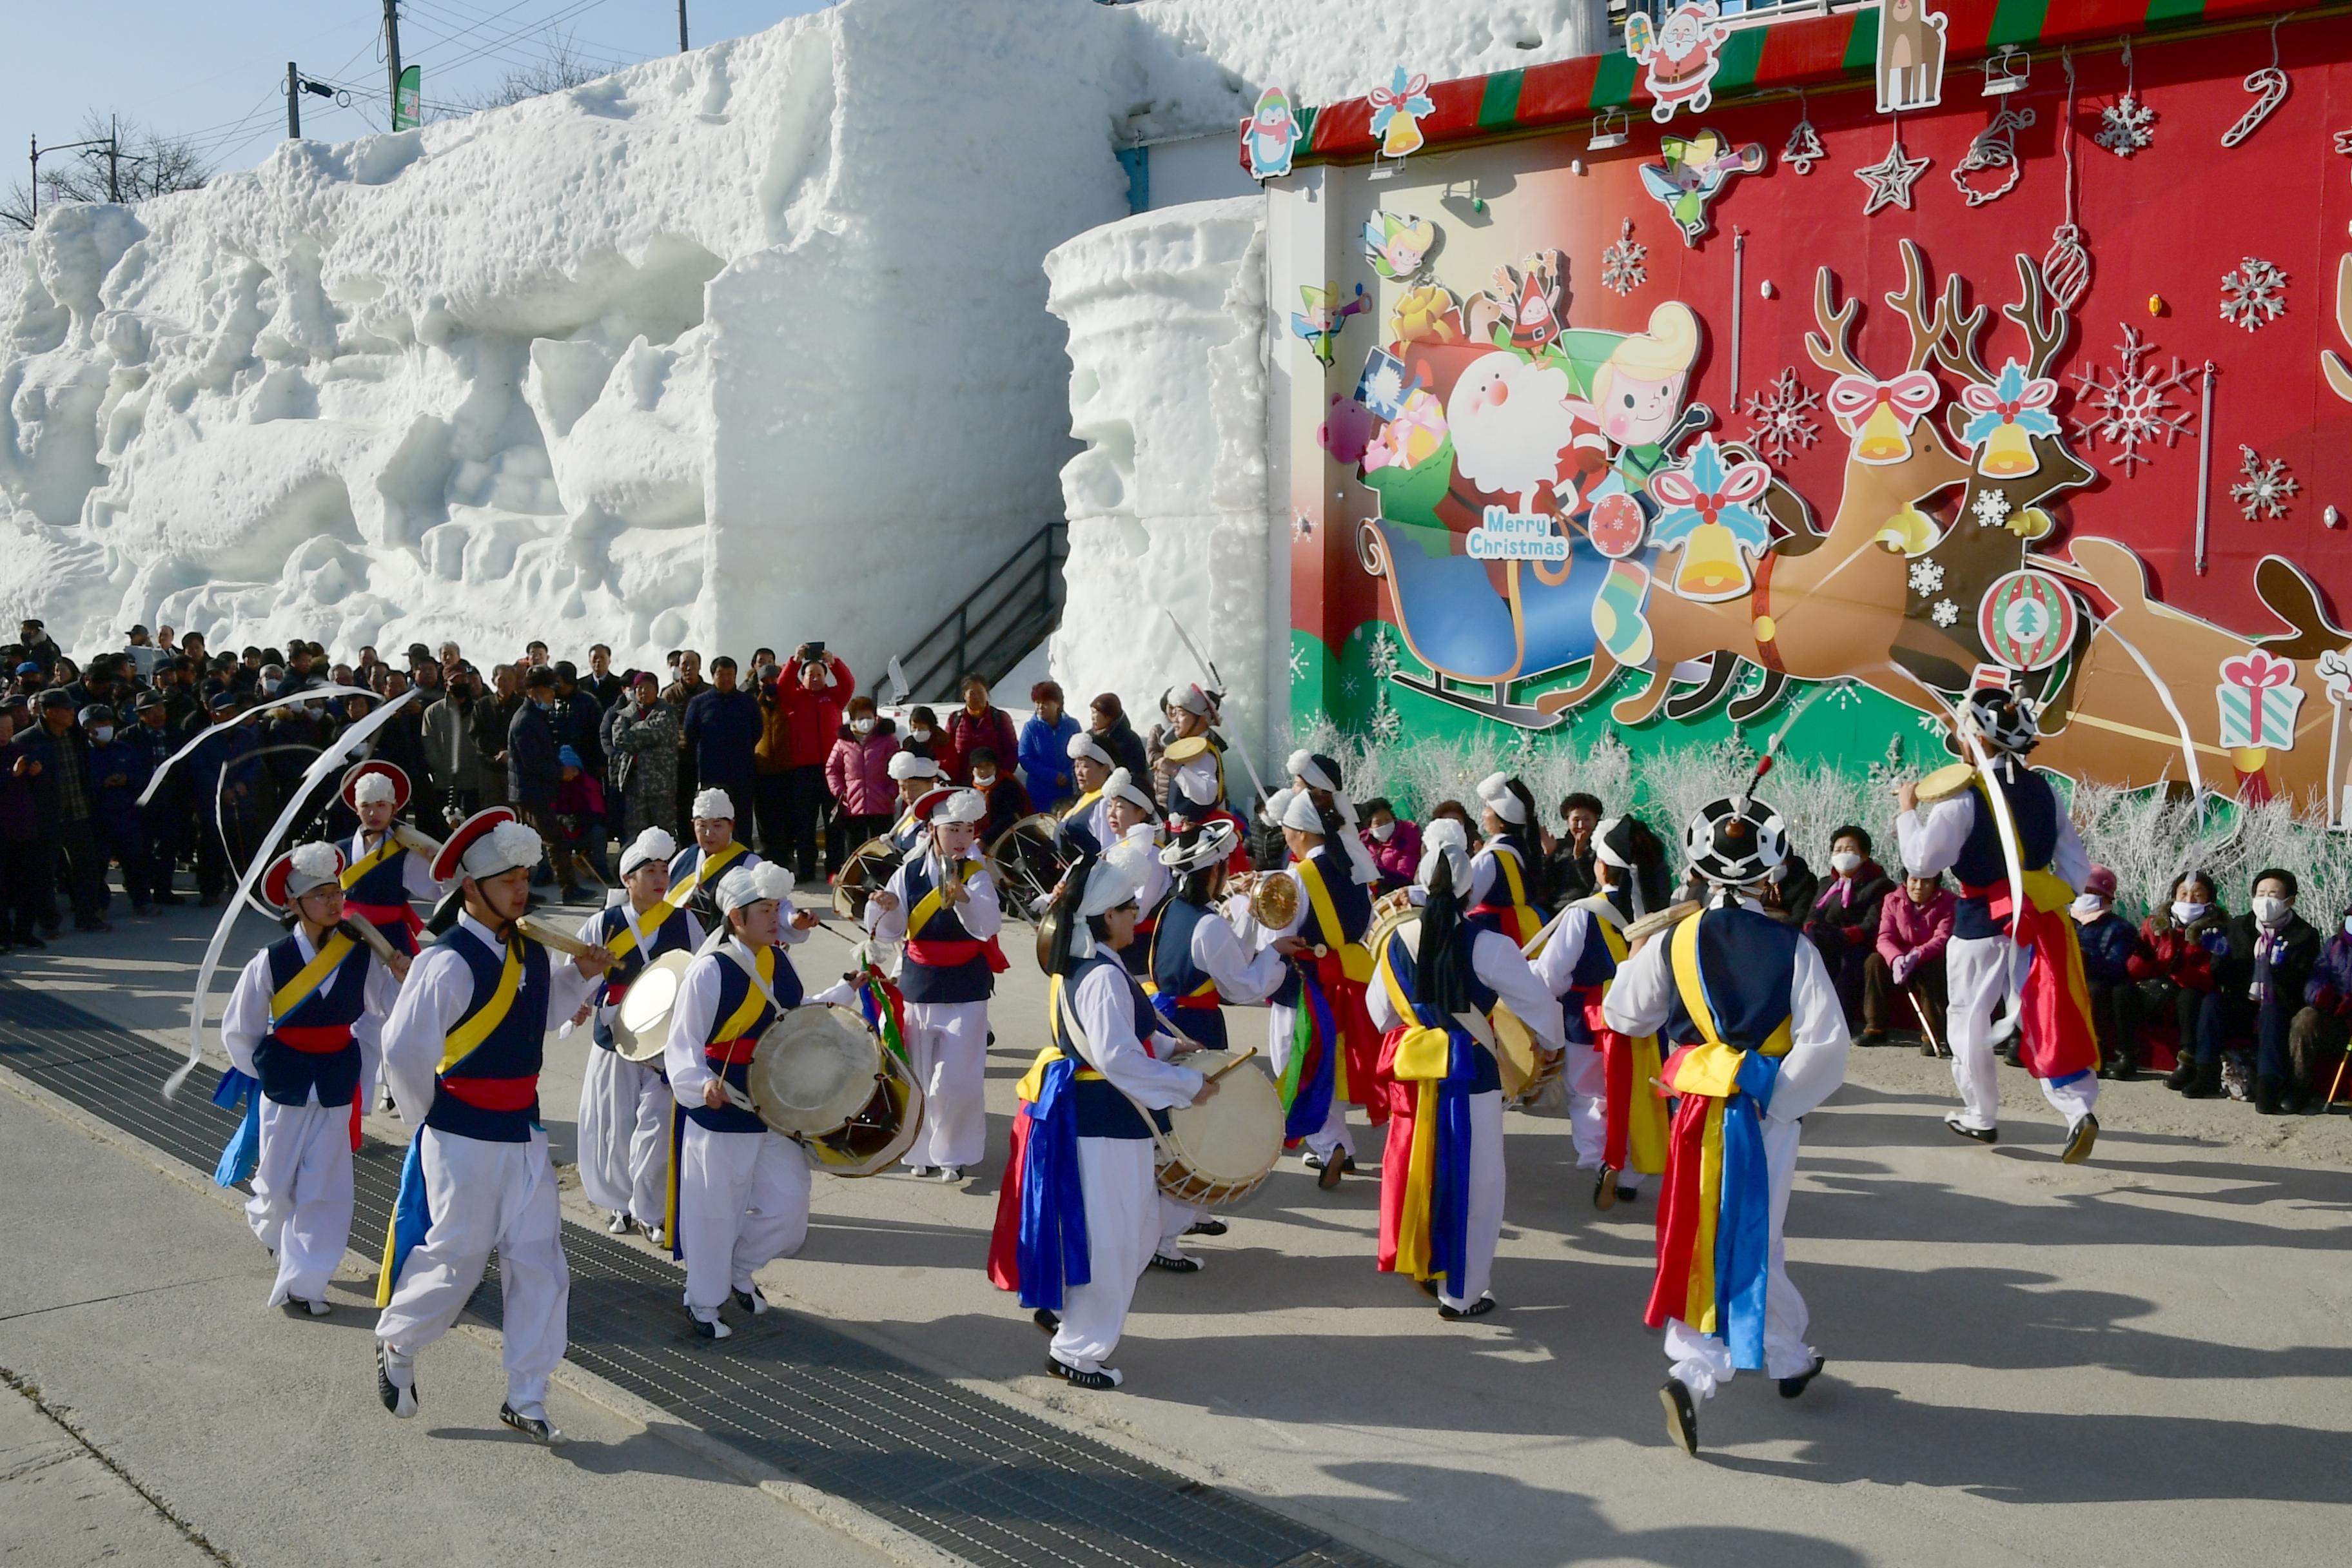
(1710, 488)
(1880, 413)
(2252, 680)
(1404, 95)
(2258, 672)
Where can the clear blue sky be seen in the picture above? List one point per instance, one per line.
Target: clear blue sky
(213, 69)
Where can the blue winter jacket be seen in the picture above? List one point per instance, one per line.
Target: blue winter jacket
(1046, 760)
(2107, 944)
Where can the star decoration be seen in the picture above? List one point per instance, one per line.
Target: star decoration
(1890, 179)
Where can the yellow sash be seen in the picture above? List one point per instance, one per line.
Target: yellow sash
(1709, 1068)
(370, 861)
(935, 900)
(712, 864)
(1355, 960)
(753, 999)
(313, 975)
(625, 940)
(470, 1034)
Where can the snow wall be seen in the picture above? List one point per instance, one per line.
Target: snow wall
(741, 345)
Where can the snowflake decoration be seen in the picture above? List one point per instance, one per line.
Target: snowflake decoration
(2265, 487)
(2134, 407)
(1992, 510)
(1383, 655)
(1622, 264)
(1297, 663)
(1347, 686)
(1930, 723)
(1388, 724)
(1783, 424)
(1843, 695)
(1944, 613)
(1302, 526)
(2255, 293)
(2126, 126)
(1927, 577)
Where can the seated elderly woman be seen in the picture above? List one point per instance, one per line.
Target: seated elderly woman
(1842, 920)
(1908, 959)
(2178, 972)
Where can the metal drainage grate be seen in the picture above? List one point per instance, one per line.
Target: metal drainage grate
(981, 1479)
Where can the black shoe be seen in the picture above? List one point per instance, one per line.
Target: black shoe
(709, 1329)
(1478, 1309)
(2079, 1138)
(620, 1224)
(1792, 1386)
(1205, 1227)
(167, 901)
(1604, 1189)
(1928, 1046)
(2267, 1099)
(400, 1401)
(2207, 1083)
(753, 1301)
(1871, 1037)
(1179, 1263)
(536, 1428)
(1048, 1322)
(303, 1307)
(1981, 1134)
(1076, 1379)
(1682, 1416)
(2183, 1074)
(1428, 1287)
(1626, 1194)
(1333, 1170)
(95, 926)
(31, 942)
(2128, 1070)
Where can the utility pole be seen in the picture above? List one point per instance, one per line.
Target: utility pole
(391, 59)
(293, 103)
(109, 142)
(681, 27)
(113, 160)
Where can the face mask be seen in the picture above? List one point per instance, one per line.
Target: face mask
(101, 734)
(2273, 911)
(982, 781)
(2187, 913)
(1384, 831)
(2087, 909)
(862, 726)
(1845, 862)
(919, 734)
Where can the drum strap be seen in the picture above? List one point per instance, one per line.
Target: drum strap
(760, 988)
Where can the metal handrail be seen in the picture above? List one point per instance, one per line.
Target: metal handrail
(1030, 606)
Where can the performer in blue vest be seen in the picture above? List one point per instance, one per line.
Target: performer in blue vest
(1758, 1038)
(1197, 966)
(915, 776)
(1510, 865)
(289, 1025)
(462, 1055)
(624, 1106)
(696, 869)
(740, 1192)
(941, 903)
(1134, 823)
(1089, 1215)
(1320, 777)
(1997, 926)
(1085, 822)
(1325, 1051)
(383, 877)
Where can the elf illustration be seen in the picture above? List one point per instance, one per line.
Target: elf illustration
(1695, 170)
(1321, 322)
(1398, 245)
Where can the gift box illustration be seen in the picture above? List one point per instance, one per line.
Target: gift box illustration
(2259, 700)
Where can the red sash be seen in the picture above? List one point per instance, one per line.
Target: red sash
(729, 1053)
(1359, 1041)
(320, 1040)
(955, 955)
(494, 1093)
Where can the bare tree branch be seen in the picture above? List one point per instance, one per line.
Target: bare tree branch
(564, 68)
(149, 163)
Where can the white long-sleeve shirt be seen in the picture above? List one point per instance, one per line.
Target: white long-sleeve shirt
(245, 1019)
(1102, 1005)
(1498, 963)
(592, 929)
(982, 916)
(1563, 949)
(439, 990)
(1640, 996)
(1931, 840)
(1241, 977)
(696, 1012)
(1140, 847)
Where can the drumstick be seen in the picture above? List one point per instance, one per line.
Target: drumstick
(1247, 1052)
(548, 935)
(365, 932)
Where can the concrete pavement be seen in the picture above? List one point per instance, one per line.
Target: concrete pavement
(2142, 1360)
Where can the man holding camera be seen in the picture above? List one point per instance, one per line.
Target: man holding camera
(809, 693)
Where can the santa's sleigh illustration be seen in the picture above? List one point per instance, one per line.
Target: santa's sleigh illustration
(1497, 624)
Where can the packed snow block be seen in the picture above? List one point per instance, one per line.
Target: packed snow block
(1167, 505)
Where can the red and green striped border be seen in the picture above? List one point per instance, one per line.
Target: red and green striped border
(1802, 52)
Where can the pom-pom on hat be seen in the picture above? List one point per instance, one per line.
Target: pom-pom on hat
(302, 870)
(375, 780)
(713, 806)
(1444, 839)
(1192, 700)
(1277, 804)
(748, 885)
(952, 804)
(1082, 747)
(1122, 785)
(1109, 885)
(653, 844)
(484, 844)
(905, 765)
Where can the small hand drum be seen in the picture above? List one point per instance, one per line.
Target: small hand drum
(641, 1023)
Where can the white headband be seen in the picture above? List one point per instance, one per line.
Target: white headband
(1122, 785)
(1444, 839)
(1109, 885)
(905, 765)
(1197, 781)
(1303, 765)
(1083, 745)
(1494, 792)
(373, 788)
(503, 848)
(1601, 849)
(314, 864)
(1301, 812)
(713, 806)
(748, 885)
(653, 844)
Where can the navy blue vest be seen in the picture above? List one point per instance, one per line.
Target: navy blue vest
(385, 885)
(1351, 906)
(2033, 806)
(1175, 976)
(1102, 1111)
(508, 1053)
(1595, 967)
(670, 936)
(734, 985)
(287, 1075)
(1485, 1074)
(969, 981)
(1747, 963)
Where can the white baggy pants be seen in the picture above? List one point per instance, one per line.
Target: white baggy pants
(301, 1202)
(742, 1202)
(1333, 1134)
(1703, 1361)
(946, 1052)
(1175, 1219)
(1976, 971)
(1123, 1226)
(625, 1109)
(1483, 1226)
(487, 1197)
(1587, 1076)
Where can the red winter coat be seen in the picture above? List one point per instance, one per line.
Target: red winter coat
(812, 719)
(965, 733)
(857, 774)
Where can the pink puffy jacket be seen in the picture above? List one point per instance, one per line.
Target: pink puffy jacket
(857, 774)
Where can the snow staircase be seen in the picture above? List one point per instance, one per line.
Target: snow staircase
(998, 624)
